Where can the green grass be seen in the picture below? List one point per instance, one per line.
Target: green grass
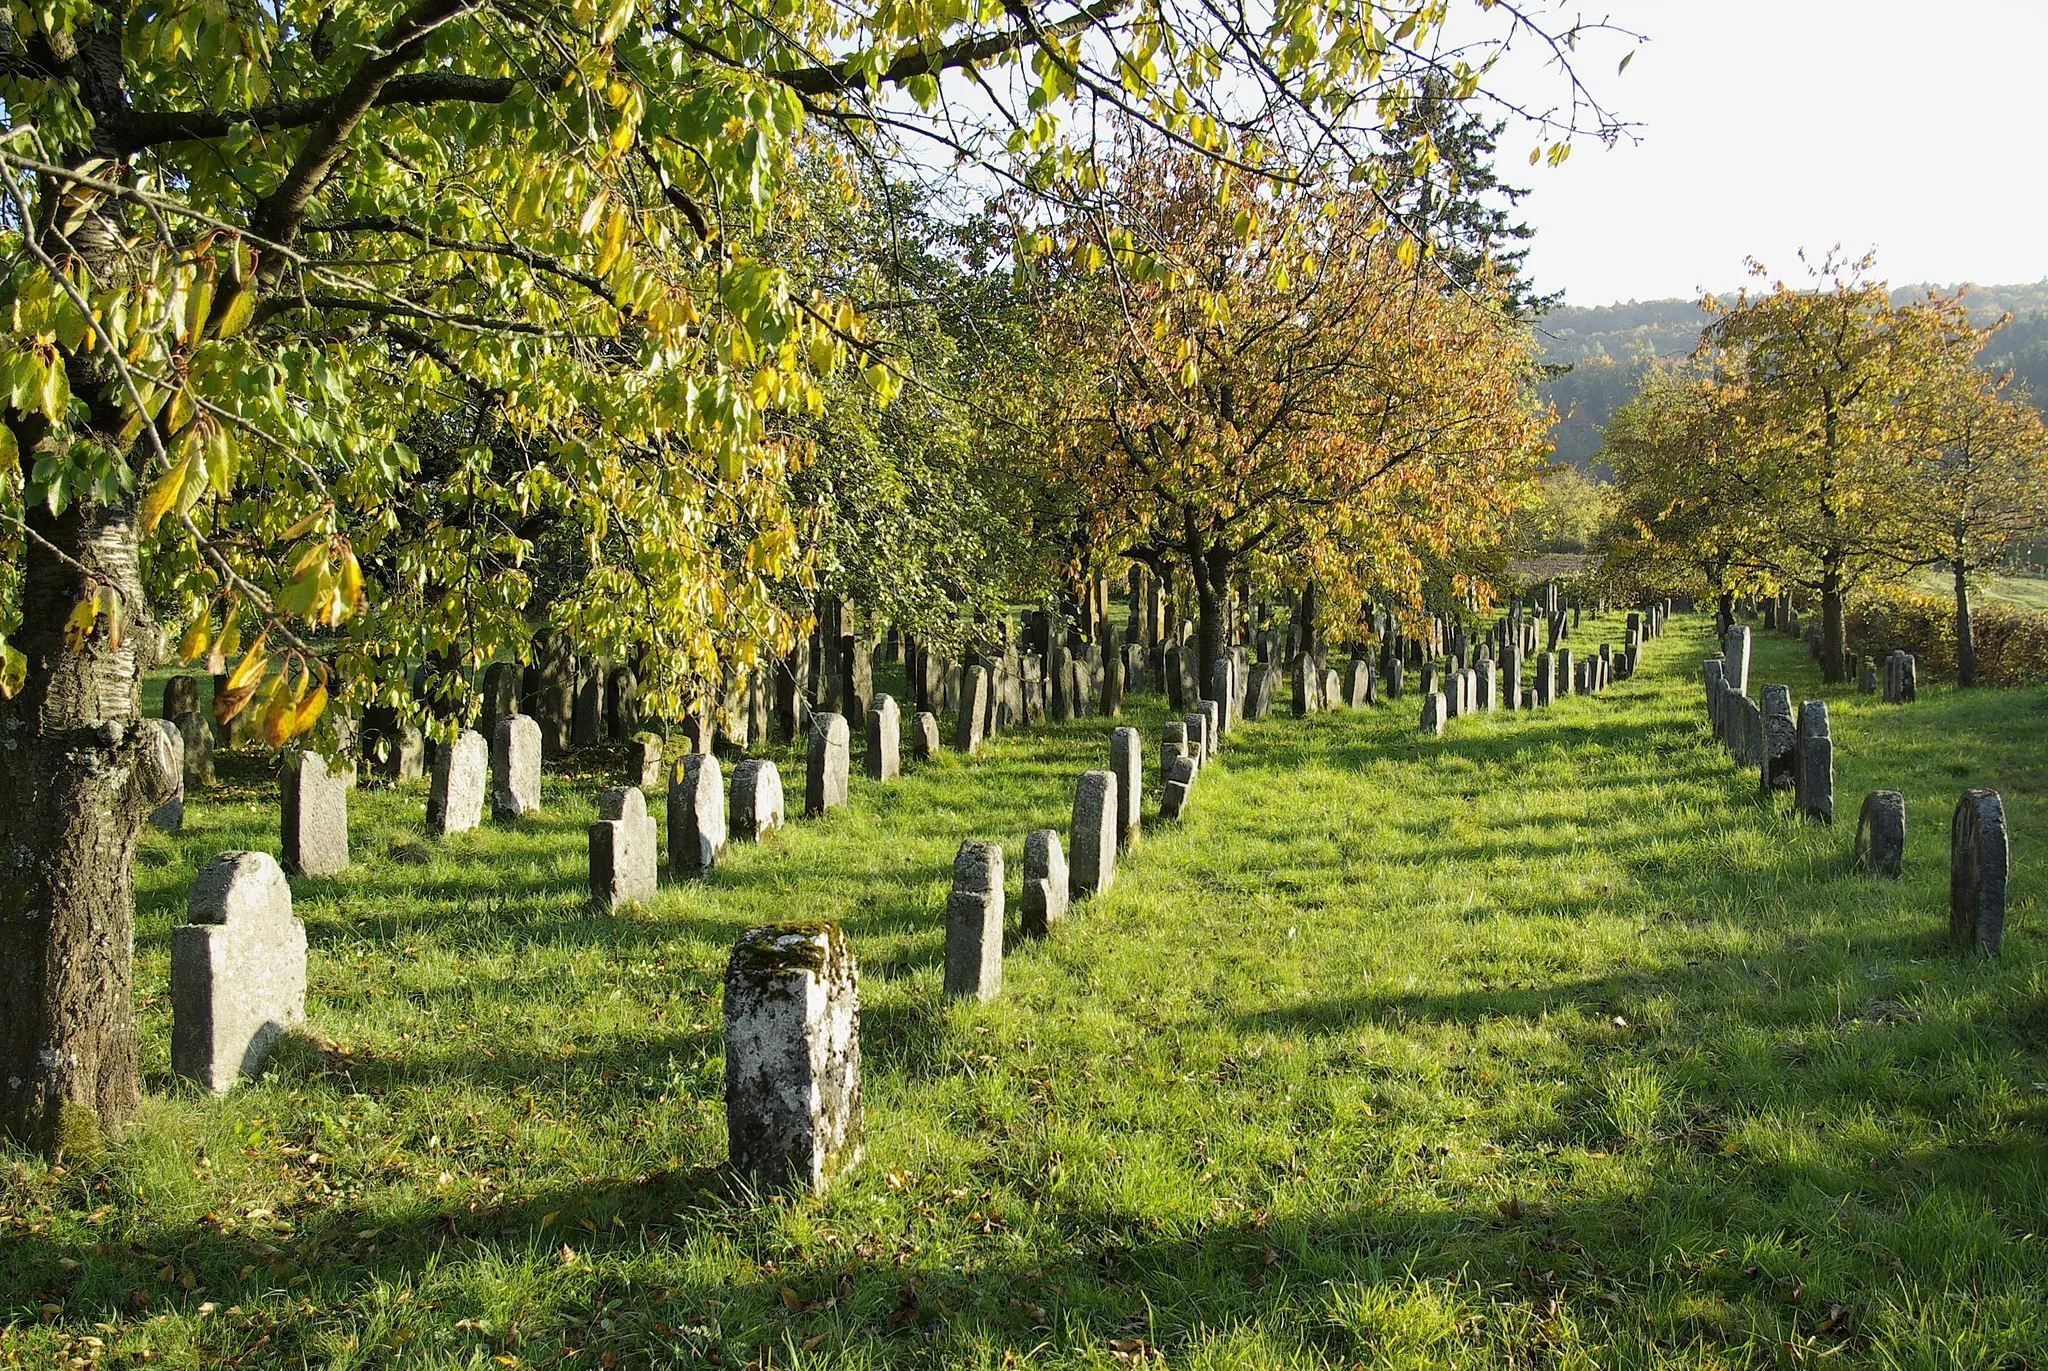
(2025, 591)
(1540, 1045)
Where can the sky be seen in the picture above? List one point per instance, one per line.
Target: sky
(1767, 126)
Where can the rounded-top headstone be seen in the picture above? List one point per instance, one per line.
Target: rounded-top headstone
(236, 886)
(1979, 858)
(1881, 833)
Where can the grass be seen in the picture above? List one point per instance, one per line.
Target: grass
(1540, 1045)
(2024, 591)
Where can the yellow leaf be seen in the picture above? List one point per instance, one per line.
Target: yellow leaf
(241, 309)
(251, 667)
(193, 645)
(309, 713)
(10, 451)
(164, 494)
(78, 626)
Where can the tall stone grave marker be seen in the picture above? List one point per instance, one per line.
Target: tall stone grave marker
(827, 763)
(516, 747)
(623, 860)
(974, 923)
(1881, 833)
(696, 816)
(238, 970)
(973, 713)
(1127, 760)
(315, 815)
(792, 1056)
(456, 802)
(1046, 889)
(1813, 764)
(883, 759)
(1979, 858)
(1092, 839)
(757, 807)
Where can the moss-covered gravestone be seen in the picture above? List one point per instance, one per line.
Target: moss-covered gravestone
(1881, 833)
(974, 923)
(792, 1056)
(1979, 861)
(1045, 882)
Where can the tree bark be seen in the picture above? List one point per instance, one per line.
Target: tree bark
(76, 780)
(1966, 642)
(1834, 647)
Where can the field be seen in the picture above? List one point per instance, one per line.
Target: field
(2025, 591)
(1539, 1045)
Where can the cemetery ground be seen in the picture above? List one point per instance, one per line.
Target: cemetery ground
(1541, 1044)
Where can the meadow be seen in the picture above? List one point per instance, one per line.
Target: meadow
(1543, 1044)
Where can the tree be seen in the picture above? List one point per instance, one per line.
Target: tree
(327, 315)
(1978, 484)
(1286, 382)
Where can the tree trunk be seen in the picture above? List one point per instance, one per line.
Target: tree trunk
(1966, 642)
(1724, 611)
(1311, 616)
(1211, 568)
(1834, 646)
(76, 779)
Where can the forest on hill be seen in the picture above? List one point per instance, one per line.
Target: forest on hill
(1608, 347)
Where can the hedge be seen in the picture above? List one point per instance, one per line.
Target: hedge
(2012, 643)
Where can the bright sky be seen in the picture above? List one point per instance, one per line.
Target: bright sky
(1911, 127)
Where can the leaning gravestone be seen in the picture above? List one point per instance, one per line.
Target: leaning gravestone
(972, 717)
(756, 801)
(1045, 882)
(827, 761)
(1127, 760)
(238, 970)
(974, 923)
(623, 860)
(792, 1056)
(924, 735)
(164, 766)
(883, 759)
(456, 802)
(696, 816)
(1813, 763)
(1979, 858)
(515, 768)
(315, 812)
(1881, 833)
(1178, 784)
(1092, 839)
(181, 696)
(197, 735)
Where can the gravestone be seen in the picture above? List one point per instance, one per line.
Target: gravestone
(398, 751)
(1173, 736)
(974, 923)
(163, 770)
(756, 801)
(1813, 763)
(792, 1056)
(644, 761)
(1198, 744)
(1190, 687)
(1092, 839)
(1358, 691)
(315, 813)
(1979, 859)
(1567, 672)
(973, 711)
(1306, 678)
(1780, 741)
(515, 768)
(1432, 679)
(1489, 691)
(883, 759)
(1127, 760)
(1178, 784)
(1333, 688)
(623, 860)
(1170, 670)
(857, 676)
(586, 724)
(461, 769)
(1045, 882)
(552, 701)
(181, 696)
(197, 735)
(827, 764)
(238, 970)
(1866, 676)
(1454, 694)
(924, 735)
(1735, 655)
(1881, 833)
(622, 706)
(1059, 676)
(1258, 692)
(1212, 733)
(1545, 689)
(1435, 710)
(501, 691)
(1396, 674)
(1112, 694)
(1223, 694)
(1714, 674)
(1901, 678)
(696, 816)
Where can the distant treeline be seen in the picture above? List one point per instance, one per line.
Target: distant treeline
(1608, 346)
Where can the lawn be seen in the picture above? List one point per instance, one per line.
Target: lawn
(2024, 591)
(1538, 1045)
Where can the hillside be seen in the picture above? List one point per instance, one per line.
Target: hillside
(1607, 347)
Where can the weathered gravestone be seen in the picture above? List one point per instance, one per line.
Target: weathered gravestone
(972, 716)
(456, 802)
(924, 735)
(1127, 760)
(181, 696)
(1111, 699)
(624, 864)
(1567, 672)
(163, 768)
(1866, 676)
(1432, 679)
(1092, 839)
(1198, 738)
(1545, 688)
(1223, 694)
(757, 807)
(883, 759)
(1813, 763)
(1488, 685)
(1881, 833)
(1306, 677)
(827, 763)
(1780, 739)
(238, 970)
(974, 923)
(501, 690)
(515, 768)
(1178, 784)
(1454, 694)
(1735, 654)
(696, 816)
(645, 761)
(315, 813)
(1258, 692)
(1046, 880)
(1435, 710)
(1358, 683)
(1396, 674)
(586, 723)
(1172, 736)
(552, 697)
(1979, 859)
(1901, 678)
(196, 733)
(1713, 671)
(396, 751)
(792, 1056)
(1212, 732)
(1333, 688)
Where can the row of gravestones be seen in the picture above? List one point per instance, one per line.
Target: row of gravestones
(1456, 689)
(1797, 755)
(1897, 675)
(792, 997)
